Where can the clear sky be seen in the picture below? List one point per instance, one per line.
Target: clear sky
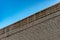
(12, 11)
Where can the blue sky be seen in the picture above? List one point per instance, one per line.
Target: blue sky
(12, 11)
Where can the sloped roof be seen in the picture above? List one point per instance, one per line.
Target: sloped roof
(32, 18)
